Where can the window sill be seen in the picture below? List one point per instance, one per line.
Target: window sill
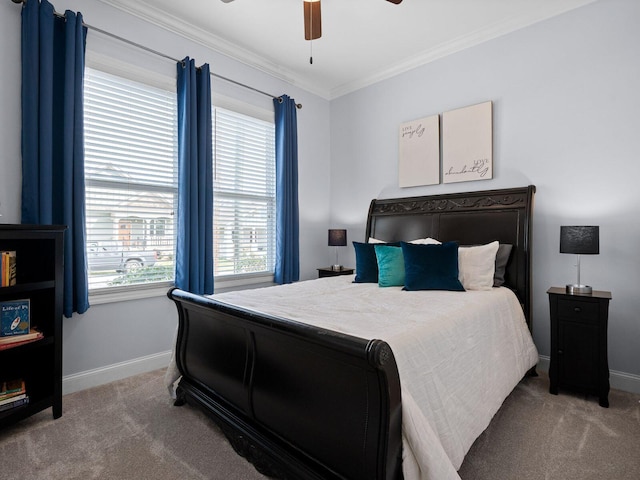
(123, 294)
(242, 282)
(138, 292)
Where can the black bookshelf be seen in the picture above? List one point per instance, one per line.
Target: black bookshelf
(39, 278)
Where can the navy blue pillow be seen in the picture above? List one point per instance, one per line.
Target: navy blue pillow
(431, 267)
(366, 261)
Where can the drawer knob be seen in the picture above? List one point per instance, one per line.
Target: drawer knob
(560, 352)
(577, 309)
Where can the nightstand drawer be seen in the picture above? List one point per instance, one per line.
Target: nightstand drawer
(578, 310)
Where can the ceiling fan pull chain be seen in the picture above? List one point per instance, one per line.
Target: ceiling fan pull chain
(311, 52)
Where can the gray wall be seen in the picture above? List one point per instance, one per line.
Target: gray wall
(116, 333)
(566, 118)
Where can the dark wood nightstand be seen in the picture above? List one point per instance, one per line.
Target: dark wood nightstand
(330, 272)
(579, 342)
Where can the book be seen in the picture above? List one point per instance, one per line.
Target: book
(13, 399)
(17, 340)
(14, 404)
(9, 270)
(14, 317)
(24, 338)
(11, 387)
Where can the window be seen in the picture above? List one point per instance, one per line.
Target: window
(131, 186)
(244, 194)
(131, 180)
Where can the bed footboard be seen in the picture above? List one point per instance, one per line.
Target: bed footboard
(300, 402)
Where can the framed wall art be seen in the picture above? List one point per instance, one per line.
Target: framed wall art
(467, 143)
(419, 152)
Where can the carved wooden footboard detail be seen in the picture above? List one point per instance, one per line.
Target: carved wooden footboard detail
(299, 402)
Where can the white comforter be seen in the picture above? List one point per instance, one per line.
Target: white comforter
(459, 354)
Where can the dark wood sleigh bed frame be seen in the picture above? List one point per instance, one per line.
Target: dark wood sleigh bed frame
(301, 402)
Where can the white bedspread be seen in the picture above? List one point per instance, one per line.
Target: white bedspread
(459, 354)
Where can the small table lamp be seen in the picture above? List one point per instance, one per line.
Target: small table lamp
(337, 238)
(579, 240)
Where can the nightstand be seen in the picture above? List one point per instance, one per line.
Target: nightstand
(579, 342)
(330, 272)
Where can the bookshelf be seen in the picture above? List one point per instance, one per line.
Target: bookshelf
(39, 278)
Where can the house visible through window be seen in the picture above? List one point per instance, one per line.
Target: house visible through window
(131, 180)
(131, 186)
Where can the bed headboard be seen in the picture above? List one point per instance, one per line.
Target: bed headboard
(470, 218)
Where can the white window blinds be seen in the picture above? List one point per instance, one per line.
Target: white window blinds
(131, 180)
(244, 194)
(131, 185)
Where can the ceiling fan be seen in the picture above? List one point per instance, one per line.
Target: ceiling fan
(312, 18)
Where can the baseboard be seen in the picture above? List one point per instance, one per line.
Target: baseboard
(627, 382)
(117, 371)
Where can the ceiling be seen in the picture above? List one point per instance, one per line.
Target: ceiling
(363, 41)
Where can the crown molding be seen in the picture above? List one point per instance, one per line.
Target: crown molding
(146, 11)
(498, 29)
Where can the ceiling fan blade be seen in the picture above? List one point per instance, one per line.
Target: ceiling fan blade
(312, 20)
(397, 2)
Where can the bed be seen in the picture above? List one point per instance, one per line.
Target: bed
(307, 392)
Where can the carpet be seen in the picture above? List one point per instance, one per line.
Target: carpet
(130, 429)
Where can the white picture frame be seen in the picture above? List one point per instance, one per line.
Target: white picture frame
(419, 152)
(467, 143)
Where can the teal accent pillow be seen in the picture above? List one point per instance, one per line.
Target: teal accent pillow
(431, 267)
(366, 262)
(390, 265)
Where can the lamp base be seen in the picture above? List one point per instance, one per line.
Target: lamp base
(336, 268)
(579, 289)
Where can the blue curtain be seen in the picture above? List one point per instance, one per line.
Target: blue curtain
(287, 268)
(52, 136)
(194, 250)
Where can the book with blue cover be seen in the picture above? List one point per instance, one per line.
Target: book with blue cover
(14, 318)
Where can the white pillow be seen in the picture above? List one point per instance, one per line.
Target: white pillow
(419, 241)
(426, 241)
(476, 266)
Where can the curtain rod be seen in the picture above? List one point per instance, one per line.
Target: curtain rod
(164, 55)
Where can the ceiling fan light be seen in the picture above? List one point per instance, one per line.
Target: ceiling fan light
(312, 20)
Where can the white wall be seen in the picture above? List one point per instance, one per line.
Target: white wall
(110, 336)
(566, 119)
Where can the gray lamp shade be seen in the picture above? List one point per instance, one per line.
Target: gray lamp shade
(580, 240)
(337, 238)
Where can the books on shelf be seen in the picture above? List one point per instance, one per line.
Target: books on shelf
(11, 388)
(16, 340)
(12, 394)
(8, 270)
(14, 402)
(14, 318)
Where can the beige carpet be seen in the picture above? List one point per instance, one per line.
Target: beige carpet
(130, 430)
(536, 435)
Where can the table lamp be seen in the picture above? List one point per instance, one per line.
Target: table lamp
(579, 240)
(337, 238)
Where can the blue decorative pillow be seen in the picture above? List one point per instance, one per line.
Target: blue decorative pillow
(390, 266)
(431, 267)
(366, 262)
